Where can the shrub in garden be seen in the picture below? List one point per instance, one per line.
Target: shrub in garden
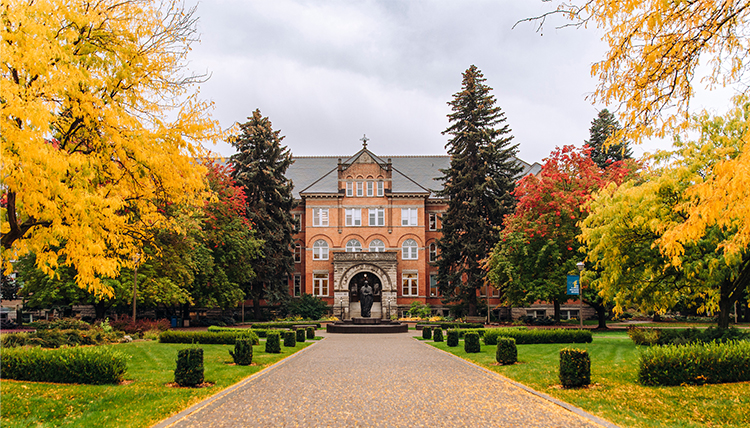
(189, 370)
(427, 333)
(452, 338)
(525, 336)
(437, 335)
(451, 324)
(282, 324)
(310, 332)
(471, 342)
(290, 339)
(55, 338)
(273, 342)
(129, 326)
(243, 352)
(655, 336)
(206, 338)
(300, 335)
(61, 324)
(506, 352)
(575, 367)
(84, 365)
(696, 363)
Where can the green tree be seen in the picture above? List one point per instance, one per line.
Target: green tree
(259, 166)
(602, 128)
(478, 186)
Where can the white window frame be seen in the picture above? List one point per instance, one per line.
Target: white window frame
(320, 250)
(409, 216)
(360, 188)
(410, 252)
(297, 222)
(433, 221)
(370, 188)
(297, 290)
(409, 284)
(354, 217)
(297, 253)
(320, 284)
(376, 217)
(320, 217)
(433, 252)
(378, 247)
(434, 285)
(349, 188)
(353, 246)
(380, 188)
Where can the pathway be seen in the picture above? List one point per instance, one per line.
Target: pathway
(385, 380)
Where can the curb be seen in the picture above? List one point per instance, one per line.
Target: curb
(170, 421)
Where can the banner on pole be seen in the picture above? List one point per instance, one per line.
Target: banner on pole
(573, 285)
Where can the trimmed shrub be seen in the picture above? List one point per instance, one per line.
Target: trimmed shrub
(189, 370)
(452, 338)
(89, 365)
(448, 325)
(290, 339)
(471, 342)
(437, 335)
(127, 325)
(61, 324)
(462, 332)
(207, 338)
(300, 335)
(506, 352)
(307, 306)
(655, 336)
(575, 367)
(696, 364)
(54, 338)
(427, 333)
(273, 342)
(525, 336)
(243, 352)
(310, 332)
(283, 324)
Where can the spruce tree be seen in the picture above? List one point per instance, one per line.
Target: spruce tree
(602, 128)
(260, 166)
(478, 186)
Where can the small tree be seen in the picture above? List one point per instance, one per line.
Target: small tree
(575, 368)
(243, 351)
(189, 370)
(273, 342)
(471, 342)
(506, 352)
(308, 306)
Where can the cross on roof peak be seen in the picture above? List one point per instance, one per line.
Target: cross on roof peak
(364, 140)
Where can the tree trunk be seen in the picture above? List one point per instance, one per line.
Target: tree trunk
(100, 309)
(601, 314)
(556, 305)
(256, 307)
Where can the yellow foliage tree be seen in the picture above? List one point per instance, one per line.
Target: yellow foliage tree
(99, 127)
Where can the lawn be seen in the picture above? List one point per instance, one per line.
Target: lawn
(140, 403)
(615, 395)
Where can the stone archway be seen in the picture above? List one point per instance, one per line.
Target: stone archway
(349, 267)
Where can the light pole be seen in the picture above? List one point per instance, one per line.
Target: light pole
(580, 267)
(136, 259)
(389, 308)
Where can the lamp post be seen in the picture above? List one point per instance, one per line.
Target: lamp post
(389, 308)
(136, 259)
(580, 267)
(341, 303)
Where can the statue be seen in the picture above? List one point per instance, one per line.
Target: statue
(365, 297)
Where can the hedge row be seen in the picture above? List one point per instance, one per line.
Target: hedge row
(57, 338)
(284, 324)
(86, 365)
(204, 337)
(697, 363)
(532, 336)
(446, 324)
(258, 332)
(655, 336)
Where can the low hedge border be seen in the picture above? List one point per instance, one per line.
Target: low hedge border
(676, 336)
(533, 336)
(283, 324)
(258, 332)
(695, 364)
(207, 338)
(93, 365)
(446, 325)
(54, 338)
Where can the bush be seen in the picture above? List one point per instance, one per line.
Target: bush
(189, 370)
(300, 335)
(308, 306)
(471, 342)
(655, 336)
(243, 352)
(445, 325)
(139, 326)
(452, 338)
(61, 324)
(89, 365)
(698, 363)
(273, 342)
(534, 336)
(283, 324)
(419, 310)
(54, 338)
(257, 332)
(506, 352)
(207, 338)
(437, 335)
(310, 332)
(290, 339)
(575, 367)
(427, 333)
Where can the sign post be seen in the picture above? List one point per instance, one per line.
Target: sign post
(574, 289)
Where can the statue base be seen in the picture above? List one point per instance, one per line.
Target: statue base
(361, 325)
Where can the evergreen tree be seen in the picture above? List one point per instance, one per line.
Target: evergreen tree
(602, 128)
(478, 186)
(260, 165)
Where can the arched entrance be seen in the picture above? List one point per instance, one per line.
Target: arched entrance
(349, 272)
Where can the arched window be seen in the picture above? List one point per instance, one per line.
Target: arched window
(409, 250)
(433, 252)
(377, 246)
(320, 250)
(353, 246)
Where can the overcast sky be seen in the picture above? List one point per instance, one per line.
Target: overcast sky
(327, 72)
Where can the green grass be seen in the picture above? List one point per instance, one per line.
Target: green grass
(615, 395)
(141, 403)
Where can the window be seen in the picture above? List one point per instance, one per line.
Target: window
(320, 216)
(569, 314)
(380, 188)
(409, 250)
(408, 216)
(434, 292)
(320, 284)
(297, 253)
(360, 187)
(409, 284)
(320, 250)
(349, 188)
(297, 222)
(433, 221)
(536, 313)
(377, 217)
(297, 285)
(377, 246)
(433, 252)
(370, 189)
(353, 217)
(353, 246)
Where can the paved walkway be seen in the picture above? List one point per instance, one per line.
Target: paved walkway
(385, 380)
